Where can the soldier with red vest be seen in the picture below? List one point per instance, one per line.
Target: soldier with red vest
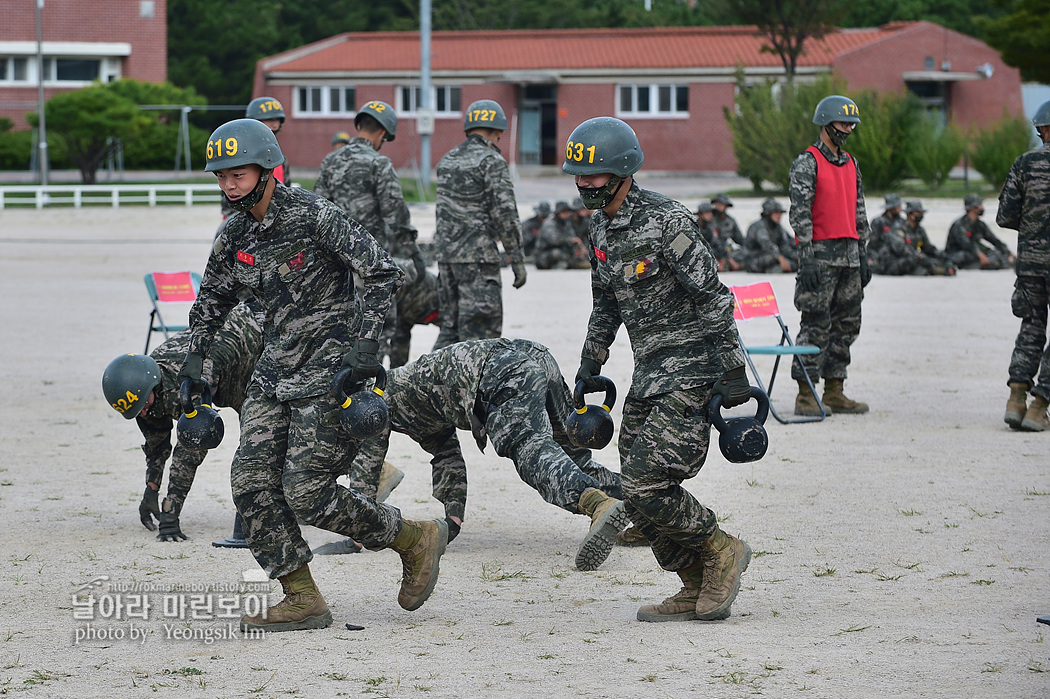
(831, 229)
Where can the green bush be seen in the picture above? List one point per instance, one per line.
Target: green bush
(993, 150)
(934, 151)
(884, 137)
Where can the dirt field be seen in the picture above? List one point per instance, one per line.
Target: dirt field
(901, 553)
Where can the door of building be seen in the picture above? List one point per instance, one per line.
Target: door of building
(537, 142)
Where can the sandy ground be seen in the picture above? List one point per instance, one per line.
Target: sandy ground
(901, 553)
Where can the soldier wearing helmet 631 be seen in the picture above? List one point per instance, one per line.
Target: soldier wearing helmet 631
(475, 208)
(831, 229)
(1024, 205)
(652, 271)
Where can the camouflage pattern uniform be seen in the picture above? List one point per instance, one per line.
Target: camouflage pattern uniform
(509, 391)
(917, 238)
(417, 304)
(765, 243)
(652, 271)
(297, 263)
(1024, 205)
(530, 228)
(475, 207)
(966, 238)
(229, 367)
(831, 316)
(559, 247)
(889, 250)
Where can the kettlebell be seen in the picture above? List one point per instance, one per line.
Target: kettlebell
(362, 412)
(742, 439)
(200, 427)
(591, 426)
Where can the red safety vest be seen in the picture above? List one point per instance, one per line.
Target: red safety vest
(835, 199)
(278, 172)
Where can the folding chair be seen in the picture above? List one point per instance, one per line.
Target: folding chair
(758, 301)
(169, 288)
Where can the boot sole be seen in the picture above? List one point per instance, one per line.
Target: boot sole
(439, 550)
(683, 616)
(599, 541)
(1032, 426)
(388, 486)
(722, 611)
(1014, 420)
(310, 622)
(230, 543)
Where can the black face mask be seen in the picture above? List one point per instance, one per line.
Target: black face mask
(837, 137)
(249, 200)
(599, 197)
(917, 219)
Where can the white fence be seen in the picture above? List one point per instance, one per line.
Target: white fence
(108, 195)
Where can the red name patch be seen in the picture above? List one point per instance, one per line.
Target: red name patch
(296, 263)
(244, 257)
(600, 254)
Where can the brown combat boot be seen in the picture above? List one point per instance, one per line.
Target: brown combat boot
(608, 518)
(632, 536)
(303, 607)
(1035, 419)
(681, 606)
(420, 545)
(835, 399)
(1016, 405)
(806, 402)
(389, 478)
(725, 559)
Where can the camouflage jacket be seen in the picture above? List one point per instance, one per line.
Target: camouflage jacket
(968, 236)
(475, 205)
(227, 370)
(1024, 206)
(363, 183)
(887, 238)
(843, 252)
(417, 299)
(726, 227)
(917, 238)
(557, 233)
(766, 237)
(297, 263)
(652, 272)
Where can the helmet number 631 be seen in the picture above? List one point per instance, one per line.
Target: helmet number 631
(575, 151)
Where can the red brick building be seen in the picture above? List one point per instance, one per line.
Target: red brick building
(83, 40)
(670, 84)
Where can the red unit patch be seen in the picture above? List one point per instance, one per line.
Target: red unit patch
(244, 257)
(296, 263)
(600, 254)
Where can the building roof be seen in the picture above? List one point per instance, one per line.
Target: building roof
(576, 50)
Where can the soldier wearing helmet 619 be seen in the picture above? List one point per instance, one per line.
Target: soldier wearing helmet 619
(653, 272)
(475, 208)
(831, 229)
(1024, 205)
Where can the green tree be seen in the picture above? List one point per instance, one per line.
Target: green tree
(157, 143)
(881, 142)
(953, 14)
(88, 122)
(994, 149)
(934, 150)
(1018, 29)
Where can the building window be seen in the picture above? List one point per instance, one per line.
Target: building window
(653, 100)
(320, 101)
(445, 100)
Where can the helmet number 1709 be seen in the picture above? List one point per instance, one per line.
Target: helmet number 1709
(575, 151)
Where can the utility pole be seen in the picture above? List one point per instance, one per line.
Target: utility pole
(40, 93)
(425, 117)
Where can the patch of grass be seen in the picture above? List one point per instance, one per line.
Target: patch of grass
(737, 677)
(988, 667)
(851, 629)
(1036, 493)
(983, 582)
(954, 574)
(493, 572)
(910, 513)
(184, 671)
(823, 572)
(757, 554)
(887, 578)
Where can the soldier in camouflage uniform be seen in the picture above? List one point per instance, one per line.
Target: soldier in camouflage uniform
(966, 246)
(727, 231)
(417, 304)
(475, 207)
(652, 271)
(832, 236)
(768, 248)
(581, 221)
(558, 246)
(1024, 206)
(340, 139)
(269, 111)
(230, 364)
(888, 251)
(511, 392)
(295, 252)
(915, 236)
(530, 228)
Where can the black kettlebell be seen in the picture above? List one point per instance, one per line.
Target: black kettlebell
(591, 426)
(742, 439)
(200, 427)
(362, 412)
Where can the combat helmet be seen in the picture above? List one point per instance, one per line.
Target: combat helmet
(602, 145)
(263, 108)
(836, 108)
(892, 201)
(340, 137)
(972, 201)
(128, 381)
(485, 114)
(243, 142)
(771, 206)
(381, 112)
(914, 205)
(1042, 115)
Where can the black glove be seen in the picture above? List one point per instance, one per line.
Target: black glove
(191, 369)
(363, 359)
(149, 508)
(519, 274)
(453, 529)
(734, 387)
(809, 274)
(588, 370)
(865, 271)
(169, 528)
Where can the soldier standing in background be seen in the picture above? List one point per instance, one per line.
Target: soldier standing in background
(832, 235)
(475, 208)
(966, 246)
(652, 272)
(1024, 205)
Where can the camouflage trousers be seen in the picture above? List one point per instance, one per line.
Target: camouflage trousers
(891, 265)
(562, 258)
(284, 472)
(968, 260)
(470, 302)
(830, 321)
(663, 441)
(1031, 355)
(764, 263)
(183, 470)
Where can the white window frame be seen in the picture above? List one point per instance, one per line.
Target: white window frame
(654, 111)
(325, 99)
(7, 75)
(412, 109)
